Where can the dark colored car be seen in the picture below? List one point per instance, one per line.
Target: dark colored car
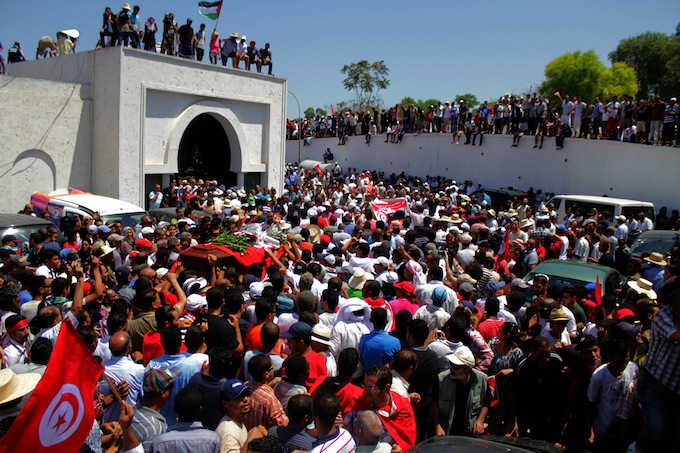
(21, 225)
(564, 273)
(501, 196)
(484, 444)
(167, 214)
(653, 241)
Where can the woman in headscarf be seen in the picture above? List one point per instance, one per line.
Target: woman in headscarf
(128, 243)
(149, 39)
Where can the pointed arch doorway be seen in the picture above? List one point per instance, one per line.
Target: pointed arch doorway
(204, 151)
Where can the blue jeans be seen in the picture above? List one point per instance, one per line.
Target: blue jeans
(659, 409)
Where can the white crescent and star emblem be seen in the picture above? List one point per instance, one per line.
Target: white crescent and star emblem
(62, 417)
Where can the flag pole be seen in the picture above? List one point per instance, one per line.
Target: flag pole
(216, 21)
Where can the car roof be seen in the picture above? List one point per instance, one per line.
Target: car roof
(606, 200)
(98, 203)
(586, 272)
(13, 220)
(458, 444)
(659, 234)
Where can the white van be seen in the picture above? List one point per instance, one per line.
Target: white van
(614, 206)
(62, 204)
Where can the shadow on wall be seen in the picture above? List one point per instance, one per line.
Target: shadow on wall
(81, 175)
(33, 170)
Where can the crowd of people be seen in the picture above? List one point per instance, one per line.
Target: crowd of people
(128, 28)
(360, 330)
(650, 122)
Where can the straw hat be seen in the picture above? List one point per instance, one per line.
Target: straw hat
(14, 386)
(656, 258)
(558, 314)
(234, 35)
(642, 286)
(525, 223)
(314, 233)
(456, 219)
(359, 278)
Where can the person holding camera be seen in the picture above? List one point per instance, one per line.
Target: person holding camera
(169, 33)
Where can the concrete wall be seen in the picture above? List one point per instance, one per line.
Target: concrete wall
(47, 147)
(106, 119)
(586, 167)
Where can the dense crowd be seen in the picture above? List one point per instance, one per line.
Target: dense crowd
(359, 330)
(653, 122)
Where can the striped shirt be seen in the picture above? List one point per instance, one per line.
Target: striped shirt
(187, 437)
(663, 358)
(147, 424)
(292, 438)
(340, 441)
(265, 408)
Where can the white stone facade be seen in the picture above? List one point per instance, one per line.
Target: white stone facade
(105, 121)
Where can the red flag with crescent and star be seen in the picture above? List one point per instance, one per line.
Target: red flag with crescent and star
(59, 414)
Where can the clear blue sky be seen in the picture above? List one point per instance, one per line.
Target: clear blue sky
(434, 49)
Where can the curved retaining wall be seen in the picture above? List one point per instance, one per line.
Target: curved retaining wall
(586, 167)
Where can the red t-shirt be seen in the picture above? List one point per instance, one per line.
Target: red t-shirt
(489, 328)
(152, 347)
(253, 340)
(317, 368)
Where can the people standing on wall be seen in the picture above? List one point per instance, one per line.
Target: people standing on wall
(149, 37)
(199, 40)
(186, 38)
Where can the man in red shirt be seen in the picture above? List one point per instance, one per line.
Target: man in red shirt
(394, 410)
(265, 310)
(489, 328)
(300, 343)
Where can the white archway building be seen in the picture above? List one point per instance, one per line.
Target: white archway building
(111, 121)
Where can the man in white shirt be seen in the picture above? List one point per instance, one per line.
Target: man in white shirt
(621, 228)
(155, 197)
(51, 263)
(644, 223)
(17, 342)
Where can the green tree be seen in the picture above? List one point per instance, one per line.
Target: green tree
(647, 55)
(470, 100)
(366, 80)
(427, 103)
(618, 80)
(309, 112)
(407, 101)
(574, 74)
(670, 82)
(321, 112)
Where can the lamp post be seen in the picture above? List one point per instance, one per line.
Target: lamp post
(300, 128)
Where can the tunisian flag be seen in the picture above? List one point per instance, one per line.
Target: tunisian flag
(383, 208)
(60, 413)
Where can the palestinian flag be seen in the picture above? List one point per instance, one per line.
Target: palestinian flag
(211, 10)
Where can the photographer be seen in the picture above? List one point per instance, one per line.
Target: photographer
(169, 34)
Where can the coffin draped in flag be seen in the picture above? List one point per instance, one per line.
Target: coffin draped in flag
(211, 10)
(60, 413)
(383, 208)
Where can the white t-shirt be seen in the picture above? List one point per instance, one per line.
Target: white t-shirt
(609, 392)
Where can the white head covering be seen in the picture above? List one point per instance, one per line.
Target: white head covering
(345, 314)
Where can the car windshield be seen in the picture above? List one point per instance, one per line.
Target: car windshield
(643, 246)
(130, 219)
(22, 233)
